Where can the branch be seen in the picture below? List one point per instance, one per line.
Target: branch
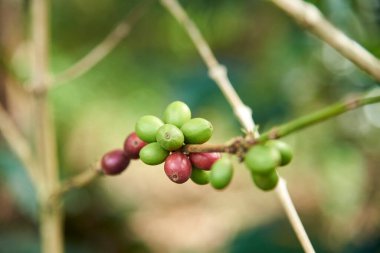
(18, 144)
(290, 210)
(77, 181)
(239, 144)
(316, 117)
(216, 71)
(97, 54)
(310, 18)
(219, 74)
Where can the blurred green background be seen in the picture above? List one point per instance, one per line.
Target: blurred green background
(278, 69)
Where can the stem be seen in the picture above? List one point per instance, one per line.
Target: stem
(77, 181)
(105, 47)
(50, 212)
(316, 117)
(19, 145)
(216, 71)
(310, 18)
(284, 197)
(236, 144)
(219, 74)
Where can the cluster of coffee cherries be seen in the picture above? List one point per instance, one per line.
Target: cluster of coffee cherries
(263, 159)
(158, 140)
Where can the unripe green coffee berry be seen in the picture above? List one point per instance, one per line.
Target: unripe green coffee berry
(177, 113)
(153, 154)
(221, 173)
(285, 150)
(147, 126)
(170, 137)
(267, 182)
(262, 160)
(200, 177)
(197, 131)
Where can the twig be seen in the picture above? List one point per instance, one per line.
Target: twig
(278, 132)
(243, 112)
(309, 17)
(77, 181)
(97, 54)
(290, 210)
(316, 117)
(216, 71)
(18, 144)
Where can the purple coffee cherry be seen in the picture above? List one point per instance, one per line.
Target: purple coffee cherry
(114, 162)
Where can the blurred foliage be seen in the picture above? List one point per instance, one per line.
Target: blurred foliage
(278, 69)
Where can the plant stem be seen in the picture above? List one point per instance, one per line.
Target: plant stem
(50, 212)
(216, 71)
(290, 210)
(219, 74)
(239, 145)
(278, 132)
(316, 117)
(77, 181)
(103, 49)
(19, 145)
(310, 18)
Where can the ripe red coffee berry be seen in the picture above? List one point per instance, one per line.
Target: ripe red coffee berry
(114, 162)
(132, 145)
(205, 160)
(178, 167)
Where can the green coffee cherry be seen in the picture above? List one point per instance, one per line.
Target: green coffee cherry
(153, 154)
(177, 113)
(267, 182)
(197, 131)
(262, 160)
(285, 150)
(170, 137)
(221, 173)
(200, 177)
(147, 126)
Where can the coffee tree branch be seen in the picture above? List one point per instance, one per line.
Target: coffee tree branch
(311, 19)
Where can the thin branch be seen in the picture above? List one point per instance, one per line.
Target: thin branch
(97, 54)
(316, 117)
(310, 18)
(290, 210)
(216, 71)
(237, 144)
(243, 112)
(18, 144)
(78, 181)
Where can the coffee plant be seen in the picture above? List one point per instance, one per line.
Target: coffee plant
(177, 141)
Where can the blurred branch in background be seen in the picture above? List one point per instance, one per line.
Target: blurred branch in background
(18, 144)
(97, 54)
(310, 18)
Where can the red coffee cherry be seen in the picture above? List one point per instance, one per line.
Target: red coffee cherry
(204, 161)
(132, 145)
(178, 167)
(114, 162)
